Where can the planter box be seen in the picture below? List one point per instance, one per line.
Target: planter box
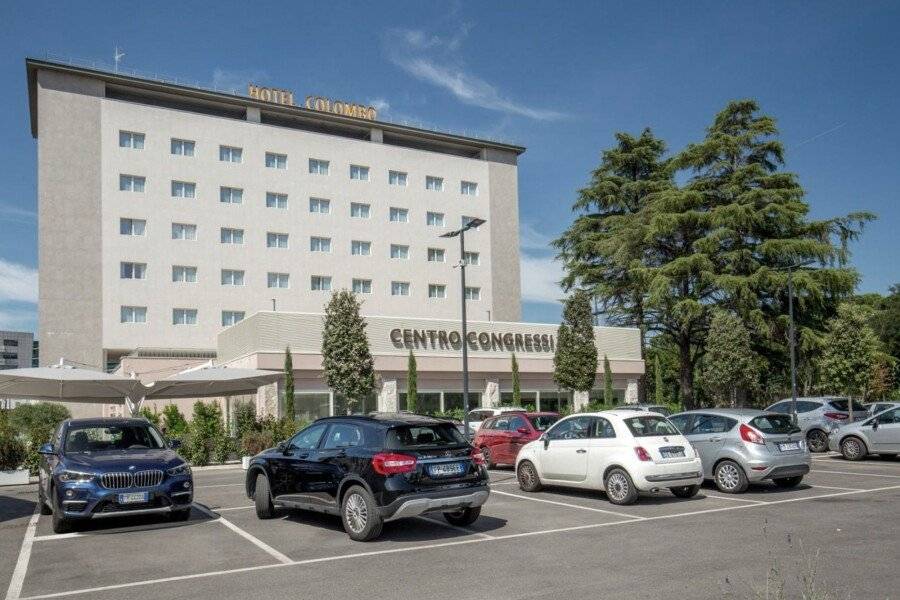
(17, 477)
(245, 462)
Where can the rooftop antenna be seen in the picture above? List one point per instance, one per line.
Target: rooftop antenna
(117, 57)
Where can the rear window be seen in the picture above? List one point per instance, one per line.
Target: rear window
(776, 424)
(650, 426)
(842, 405)
(543, 422)
(416, 437)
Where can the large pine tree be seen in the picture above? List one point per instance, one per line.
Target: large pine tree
(346, 359)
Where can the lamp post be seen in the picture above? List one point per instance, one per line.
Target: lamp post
(472, 223)
(791, 335)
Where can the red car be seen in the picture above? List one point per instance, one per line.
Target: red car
(500, 438)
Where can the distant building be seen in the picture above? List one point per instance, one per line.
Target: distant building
(16, 349)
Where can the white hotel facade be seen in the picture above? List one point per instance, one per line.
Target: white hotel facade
(168, 214)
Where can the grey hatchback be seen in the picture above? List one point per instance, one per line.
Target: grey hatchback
(740, 446)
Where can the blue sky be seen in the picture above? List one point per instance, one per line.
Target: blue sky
(558, 79)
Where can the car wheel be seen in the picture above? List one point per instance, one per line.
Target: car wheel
(528, 477)
(60, 523)
(730, 477)
(853, 448)
(788, 482)
(620, 488)
(685, 491)
(42, 500)
(463, 516)
(359, 512)
(488, 462)
(262, 498)
(180, 515)
(817, 440)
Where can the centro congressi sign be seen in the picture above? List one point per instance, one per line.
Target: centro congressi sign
(317, 103)
(440, 339)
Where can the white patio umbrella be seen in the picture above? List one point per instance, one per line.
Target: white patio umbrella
(64, 382)
(209, 381)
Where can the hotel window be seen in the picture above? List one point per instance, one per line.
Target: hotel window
(319, 205)
(184, 274)
(184, 316)
(320, 283)
(132, 226)
(399, 288)
(230, 154)
(130, 139)
(472, 258)
(232, 277)
(399, 251)
(468, 188)
(359, 210)
(465, 221)
(278, 280)
(133, 314)
(359, 248)
(274, 200)
(318, 167)
(435, 255)
(473, 293)
(399, 215)
(228, 235)
(131, 183)
(182, 147)
(436, 290)
(434, 183)
(276, 240)
(230, 317)
(396, 178)
(184, 231)
(362, 286)
(184, 189)
(230, 195)
(276, 161)
(359, 173)
(132, 270)
(435, 219)
(320, 244)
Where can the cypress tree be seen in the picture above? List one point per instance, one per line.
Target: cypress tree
(516, 384)
(288, 384)
(412, 383)
(346, 360)
(575, 359)
(609, 397)
(658, 396)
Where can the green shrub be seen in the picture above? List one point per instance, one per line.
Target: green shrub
(207, 433)
(245, 419)
(12, 450)
(254, 442)
(456, 414)
(150, 414)
(281, 429)
(174, 424)
(35, 423)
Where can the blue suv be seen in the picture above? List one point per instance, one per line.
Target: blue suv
(97, 468)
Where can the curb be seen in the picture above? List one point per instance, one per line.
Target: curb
(229, 465)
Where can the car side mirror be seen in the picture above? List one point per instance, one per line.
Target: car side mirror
(523, 430)
(175, 444)
(874, 423)
(46, 449)
(283, 447)
(546, 439)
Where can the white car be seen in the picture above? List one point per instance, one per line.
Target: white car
(619, 452)
(478, 415)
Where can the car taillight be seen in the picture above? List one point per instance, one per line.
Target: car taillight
(477, 456)
(836, 416)
(748, 434)
(642, 454)
(386, 463)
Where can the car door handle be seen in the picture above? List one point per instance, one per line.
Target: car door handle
(581, 451)
(304, 455)
(715, 439)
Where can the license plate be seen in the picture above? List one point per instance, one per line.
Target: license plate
(134, 498)
(787, 446)
(672, 453)
(446, 469)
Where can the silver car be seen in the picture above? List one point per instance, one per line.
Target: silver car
(873, 408)
(818, 416)
(740, 446)
(879, 434)
(654, 408)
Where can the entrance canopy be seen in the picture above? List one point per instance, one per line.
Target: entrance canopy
(62, 382)
(210, 381)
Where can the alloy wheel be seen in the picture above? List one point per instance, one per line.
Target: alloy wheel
(617, 486)
(527, 476)
(851, 448)
(357, 512)
(728, 476)
(817, 441)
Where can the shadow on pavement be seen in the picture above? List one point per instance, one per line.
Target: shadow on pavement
(12, 507)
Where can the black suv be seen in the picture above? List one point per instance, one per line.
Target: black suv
(372, 469)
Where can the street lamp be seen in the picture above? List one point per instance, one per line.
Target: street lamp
(470, 224)
(791, 335)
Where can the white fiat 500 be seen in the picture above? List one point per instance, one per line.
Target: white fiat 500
(619, 452)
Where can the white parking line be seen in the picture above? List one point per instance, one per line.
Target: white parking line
(859, 474)
(218, 485)
(250, 538)
(18, 576)
(592, 509)
(717, 497)
(421, 547)
(218, 510)
(831, 487)
(868, 465)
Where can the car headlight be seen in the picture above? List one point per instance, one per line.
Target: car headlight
(182, 469)
(70, 476)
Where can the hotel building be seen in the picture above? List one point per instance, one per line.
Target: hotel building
(169, 215)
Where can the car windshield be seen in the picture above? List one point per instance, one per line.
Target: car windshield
(777, 424)
(543, 422)
(100, 438)
(842, 405)
(416, 437)
(650, 426)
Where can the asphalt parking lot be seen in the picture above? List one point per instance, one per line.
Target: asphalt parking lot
(843, 521)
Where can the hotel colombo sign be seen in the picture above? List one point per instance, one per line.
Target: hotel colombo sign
(317, 103)
(439, 339)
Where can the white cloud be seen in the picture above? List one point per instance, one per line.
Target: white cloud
(18, 283)
(540, 279)
(530, 239)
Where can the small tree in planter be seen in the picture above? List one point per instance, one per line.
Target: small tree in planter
(516, 384)
(207, 434)
(36, 424)
(12, 456)
(346, 360)
(575, 359)
(609, 396)
(174, 424)
(412, 383)
(288, 384)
